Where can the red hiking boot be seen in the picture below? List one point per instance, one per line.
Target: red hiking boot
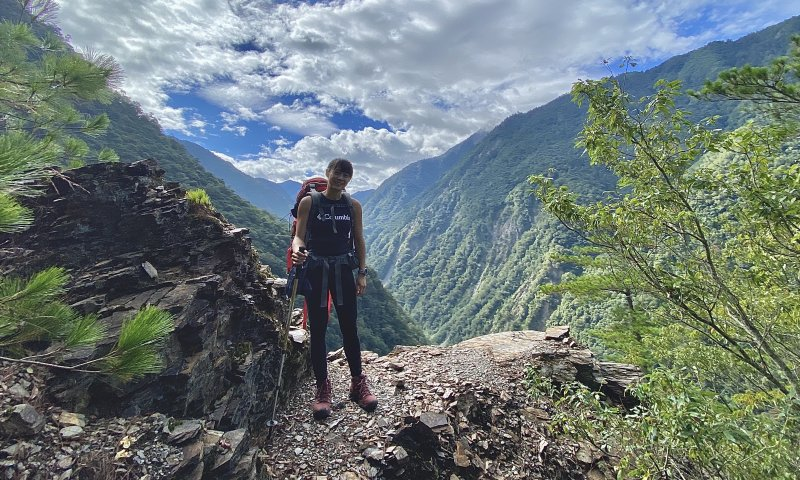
(321, 406)
(359, 393)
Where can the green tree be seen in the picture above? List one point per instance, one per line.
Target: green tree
(702, 237)
(716, 247)
(773, 87)
(40, 81)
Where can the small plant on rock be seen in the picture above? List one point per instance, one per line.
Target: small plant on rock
(198, 196)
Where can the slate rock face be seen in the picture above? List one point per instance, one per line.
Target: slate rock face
(129, 240)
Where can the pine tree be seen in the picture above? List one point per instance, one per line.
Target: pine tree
(41, 79)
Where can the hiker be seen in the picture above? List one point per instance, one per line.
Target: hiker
(330, 223)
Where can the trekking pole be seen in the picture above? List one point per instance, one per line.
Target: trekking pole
(272, 423)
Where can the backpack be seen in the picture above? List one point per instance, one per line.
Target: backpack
(316, 184)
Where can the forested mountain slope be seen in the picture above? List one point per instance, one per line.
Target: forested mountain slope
(262, 193)
(467, 254)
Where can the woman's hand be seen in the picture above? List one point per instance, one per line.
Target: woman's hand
(299, 257)
(361, 285)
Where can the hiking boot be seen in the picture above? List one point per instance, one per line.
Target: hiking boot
(321, 406)
(359, 393)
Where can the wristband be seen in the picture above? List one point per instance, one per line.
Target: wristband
(362, 271)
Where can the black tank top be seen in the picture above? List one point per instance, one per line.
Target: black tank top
(330, 227)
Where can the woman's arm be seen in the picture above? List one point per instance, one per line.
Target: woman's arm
(299, 239)
(360, 246)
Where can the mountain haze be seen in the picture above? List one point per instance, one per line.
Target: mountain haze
(465, 254)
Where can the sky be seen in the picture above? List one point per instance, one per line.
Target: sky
(279, 88)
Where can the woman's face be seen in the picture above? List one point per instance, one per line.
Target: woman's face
(338, 179)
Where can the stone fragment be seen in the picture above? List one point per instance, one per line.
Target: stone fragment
(234, 444)
(298, 335)
(435, 420)
(374, 454)
(557, 333)
(368, 357)
(71, 431)
(69, 418)
(396, 366)
(23, 421)
(19, 392)
(192, 454)
(212, 437)
(184, 431)
(400, 455)
(336, 354)
(150, 270)
(461, 455)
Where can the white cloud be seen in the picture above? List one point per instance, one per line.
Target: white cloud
(227, 158)
(376, 153)
(434, 71)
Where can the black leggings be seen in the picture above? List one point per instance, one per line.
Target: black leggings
(318, 320)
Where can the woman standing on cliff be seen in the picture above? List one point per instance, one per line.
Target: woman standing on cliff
(330, 222)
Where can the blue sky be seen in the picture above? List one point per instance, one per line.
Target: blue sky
(279, 88)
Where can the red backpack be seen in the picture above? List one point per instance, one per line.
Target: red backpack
(318, 184)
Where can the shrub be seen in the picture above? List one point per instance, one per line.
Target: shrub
(198, 196)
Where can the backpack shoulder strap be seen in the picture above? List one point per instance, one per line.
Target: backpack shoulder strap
(315, 200)
(352, 219)
(349, 204)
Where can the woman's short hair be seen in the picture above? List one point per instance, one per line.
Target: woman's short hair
(340, 165)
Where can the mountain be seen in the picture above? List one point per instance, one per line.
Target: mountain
(406, 186)
(264, 194)
(462, 244)
(364, 195)
(291, 188)
(202, 270)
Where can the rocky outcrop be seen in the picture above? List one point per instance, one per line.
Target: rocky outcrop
(129, 240)
(457, 413)
(558, 357)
